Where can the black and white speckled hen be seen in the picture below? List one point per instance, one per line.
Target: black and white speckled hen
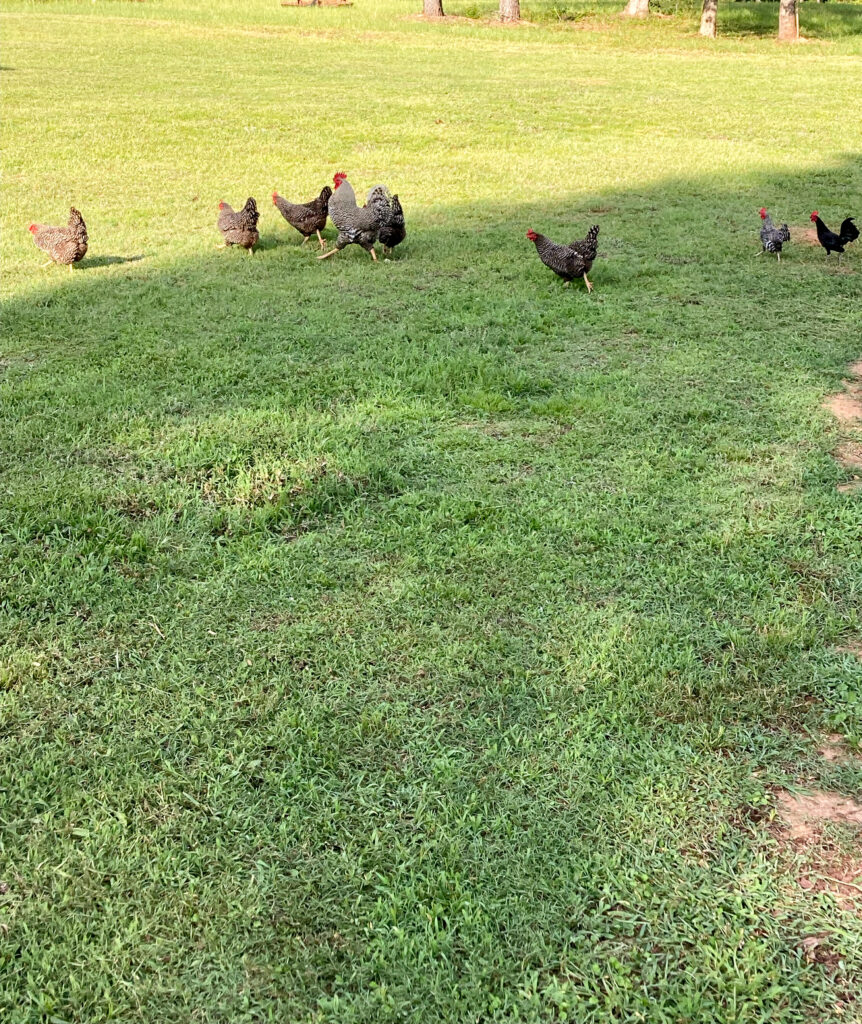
(356, 225)
(772, 238)
(568, 261)
(307, 218)
(390, 217)
(65, 246)
(239, 227)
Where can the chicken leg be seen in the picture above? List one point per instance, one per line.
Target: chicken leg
(326, 255)
(322, 241)
(373, 253)
(587, 283)
(47, 263)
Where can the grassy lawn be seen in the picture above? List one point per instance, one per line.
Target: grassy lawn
(424, 641)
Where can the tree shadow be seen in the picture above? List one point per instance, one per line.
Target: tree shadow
(434, 477)
(744, 18)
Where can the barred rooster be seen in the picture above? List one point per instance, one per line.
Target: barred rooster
(239, 227)
(832, 242)
(307, 218)
(356, 225)
(772, 238)
(65, 246)
(390, 216)
(568, 261)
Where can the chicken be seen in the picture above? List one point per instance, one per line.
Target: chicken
(832, 242)
(568, 261)
(307, 218)
(356, 225)
(772, 238)
(390, 216)
(67, 245)
(848, 231)
(239, 227)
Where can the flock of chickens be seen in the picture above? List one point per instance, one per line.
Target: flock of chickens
(382, 219)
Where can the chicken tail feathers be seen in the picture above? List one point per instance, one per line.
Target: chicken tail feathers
(848, 231)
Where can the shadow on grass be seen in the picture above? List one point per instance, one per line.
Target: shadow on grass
(298, 547)
(94, 262)
(735, 19)
(816, 20)
(465, 319)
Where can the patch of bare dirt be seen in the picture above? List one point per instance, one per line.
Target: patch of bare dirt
(846, 406)
(850, 485)
(819, 864)
(853, 647)
(832, 873)
(833, 749)
(807, 236)
(803, 814)
(850, 455)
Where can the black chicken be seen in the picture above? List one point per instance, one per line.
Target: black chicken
(831, 241)
(568, 261)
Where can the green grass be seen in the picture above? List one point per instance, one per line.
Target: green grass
(421, 642)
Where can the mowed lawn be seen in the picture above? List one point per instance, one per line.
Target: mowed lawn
(426, 641)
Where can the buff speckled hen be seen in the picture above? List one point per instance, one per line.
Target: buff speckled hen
(307, 218)
(568, 261)
(772, 238)
(390, 217)
(65, 246)
(239, 227)
(357, 225)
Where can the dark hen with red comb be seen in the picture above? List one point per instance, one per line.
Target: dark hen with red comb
(239, 227)
(307, 218)
(568, 261)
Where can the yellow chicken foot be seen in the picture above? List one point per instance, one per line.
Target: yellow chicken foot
(587, 283)
(326, 255)
(322, 241)
(70, 267)
(566, 284)
(47, 263)
(304, 240)
(373, 254)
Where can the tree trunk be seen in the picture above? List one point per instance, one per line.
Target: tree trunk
(433, 8)
(637, 8)
(510, 10)
(707, 18)
(788, 25)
